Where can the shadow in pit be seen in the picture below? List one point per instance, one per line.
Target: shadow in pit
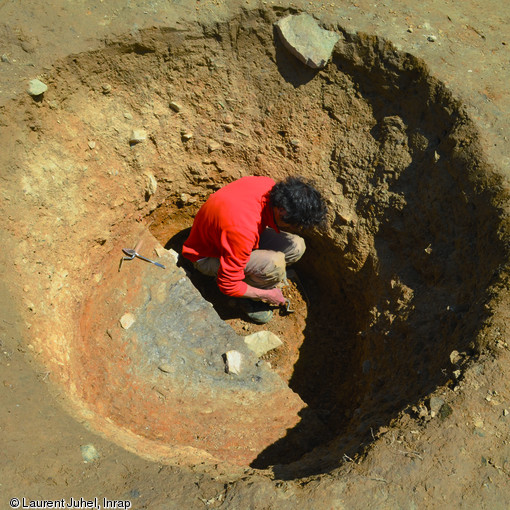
(322, 378)
(225, 306)
(381, 343)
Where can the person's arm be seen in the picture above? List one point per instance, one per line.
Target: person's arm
(271, 296)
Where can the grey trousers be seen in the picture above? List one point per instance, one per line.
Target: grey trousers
(267, 265)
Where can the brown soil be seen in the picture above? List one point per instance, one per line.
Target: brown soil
(398, 341)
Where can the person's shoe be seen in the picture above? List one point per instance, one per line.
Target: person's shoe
(257, 311)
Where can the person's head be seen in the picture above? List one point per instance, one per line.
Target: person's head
(298, 203)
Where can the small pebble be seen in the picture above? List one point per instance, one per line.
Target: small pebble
(92, 145)
(410, 30)
(435, 404)
(89, 453)
(505, 412)
(36, 88)
(176, 107)
(128, 116)
(127, 320)
(233, 361)
(213, 146)
(186, 135)
(185, 198)
(455, 357)
(432, 38)
(137, 136)
(107, 88)
(5, 59)
(151, 184)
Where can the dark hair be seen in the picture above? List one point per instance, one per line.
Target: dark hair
(303, 204)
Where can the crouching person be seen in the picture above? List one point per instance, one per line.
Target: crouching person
(242, 235)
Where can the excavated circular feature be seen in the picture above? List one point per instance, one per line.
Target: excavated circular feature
(395, 282)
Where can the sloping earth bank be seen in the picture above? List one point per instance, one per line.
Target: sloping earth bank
(410, 271)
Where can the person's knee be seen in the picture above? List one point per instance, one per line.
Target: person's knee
(267, 269)
(300, 246)
(279, 264)
(275, 268)
(297, 250)
(208, 266)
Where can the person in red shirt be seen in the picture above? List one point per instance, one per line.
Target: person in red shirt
(237, 237)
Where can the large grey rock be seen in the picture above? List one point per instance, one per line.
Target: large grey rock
(305, 39)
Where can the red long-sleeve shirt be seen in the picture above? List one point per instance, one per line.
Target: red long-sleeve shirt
(228, 227)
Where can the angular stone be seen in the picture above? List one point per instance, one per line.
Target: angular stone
(233, 362)
(435, 404)
(186, 134)
(137, 136)
(176, 107)
(455, 357)
(127, 320)
(305, 39)
(213, 146)
(36, 87)
(262, 342)
(89, 453)
(151, 184)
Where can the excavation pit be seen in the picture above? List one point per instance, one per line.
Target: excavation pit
(398, 280)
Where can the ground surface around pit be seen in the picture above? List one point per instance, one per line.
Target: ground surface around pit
(459, 463)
